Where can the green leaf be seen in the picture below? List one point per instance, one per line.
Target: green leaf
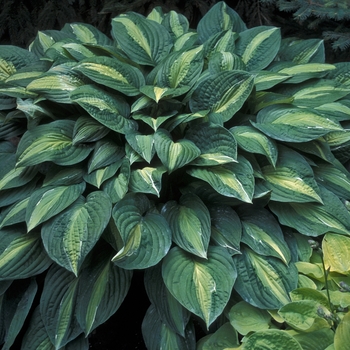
(176, 23)
(22, 255)
(226, 228)
(50, 142)
(265, 80)
(334, 179)
(263, 281)
(112, 73)
(246, 318)
(336, 250)
(303, 315)
(17, 306)
(56, 87)
(314, 219)
(342, 333)
(203, 286)
(292, 179)
(117, 186)
(102, 288)
(87, 129)
(231, 180)
(254, 141)
(225, 61)
(58, 306)
(186, 41)
(258, 46)
(157, 334)
(223, 43)
(14, 214)
(319, 339)
(172, 313)
(70, 236)
(110, 110)
(99, 176)
(272, 339)
(49, 201)
(189, 221)
(146, 180)
(223, 94)
(309, 294)
(216, 143)
(143, 40)
(219, 18)
(286, 123)
(263, 234)
(145, 233)
(172, 154)
(142, 144)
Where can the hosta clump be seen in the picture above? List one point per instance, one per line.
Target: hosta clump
(206, 158)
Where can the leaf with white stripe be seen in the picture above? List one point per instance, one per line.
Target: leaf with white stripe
(143, 40)
(142, 144)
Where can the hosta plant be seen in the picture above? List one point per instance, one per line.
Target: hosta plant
(206, 158)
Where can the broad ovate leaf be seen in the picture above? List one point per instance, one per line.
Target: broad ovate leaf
(219, 18)
(342, 333)
(223, 94)
(231, 180)
(336, 250)
(287, 123)
(174, 155)
(189, 221)
(145, 234)
(314, 219)
(51, 142)
(70, 236)
(112, 73)
(203, 286)
(49, 201)
(264, 282)
(217, 144)
(21, 255)
(110, 110)
(258, 46)
(143, 40)
(87, 129)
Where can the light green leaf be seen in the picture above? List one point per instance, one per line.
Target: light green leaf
(272, 339)
(70, 236)
(314, 219)
(265, 80)
(142, 144)
(189, 221)
(146, 180)
(102, 288)
(145, 233)
(143, 40)
(246, 318)
(264, 282)
(14, 214)
(263, 234)
(223, 94)
(173, 314)
(56, 87)
(258, 46)
(203, 286)
(342, 333)
(156, 14)
(336, 252)
(225, 61)
(226, 228)
(157, 334)
(172, 154)
(176, 23)
(112, 73)
(286, 123)
(50, 142)
(57, 306)
(319, 339)
(49, 201)
(99, 176)
(216, 143)
(231, 180)
(292, 179)
(224, 43)
(186, 41)
(87, 129)
(254, 141)
(110, 110)
(219, 18)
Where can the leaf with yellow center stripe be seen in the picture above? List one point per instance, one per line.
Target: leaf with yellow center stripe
(143, 40)
(176, 23)
(113, 73)
(223, 94)
(258, 46)
(203, 286)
